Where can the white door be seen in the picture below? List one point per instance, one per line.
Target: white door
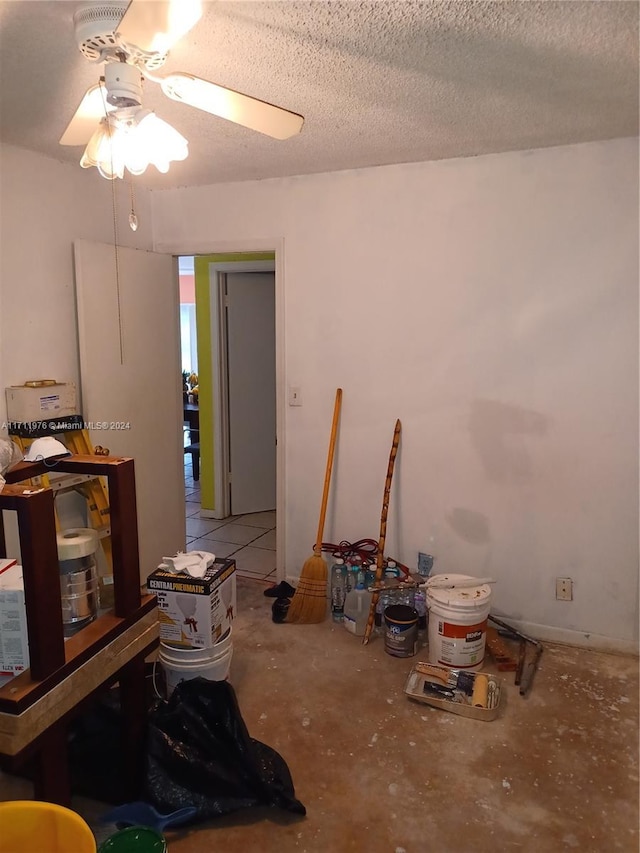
(129, 334)
(251, 364)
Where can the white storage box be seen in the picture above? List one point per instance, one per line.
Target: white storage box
(14, 642)
(195, 612)
(26, 404)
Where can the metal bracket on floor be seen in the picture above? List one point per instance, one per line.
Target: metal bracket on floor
(526, 668)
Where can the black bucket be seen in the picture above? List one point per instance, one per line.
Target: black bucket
(400, 630)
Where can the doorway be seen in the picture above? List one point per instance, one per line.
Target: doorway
(230, 312)
(236, 319)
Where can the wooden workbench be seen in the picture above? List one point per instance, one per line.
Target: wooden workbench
(37, 705)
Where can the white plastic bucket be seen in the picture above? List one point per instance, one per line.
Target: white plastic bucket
(183, 664)
(458, 623)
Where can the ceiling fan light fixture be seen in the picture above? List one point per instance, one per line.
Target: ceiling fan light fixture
(99, 151)
(132, 38)
(158, 142)
(132, 139)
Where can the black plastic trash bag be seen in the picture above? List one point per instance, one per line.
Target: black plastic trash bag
(200, 754)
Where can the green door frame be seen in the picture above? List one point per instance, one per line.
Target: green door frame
(205, 370)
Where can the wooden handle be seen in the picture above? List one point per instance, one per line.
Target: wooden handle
(327, 476)
(433, 670)
(383, 531)
(529, 671)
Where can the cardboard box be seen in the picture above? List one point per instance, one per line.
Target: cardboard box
(14, 642)
(195, 612)
(29, 405)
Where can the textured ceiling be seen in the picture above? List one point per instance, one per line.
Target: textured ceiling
(378, 82)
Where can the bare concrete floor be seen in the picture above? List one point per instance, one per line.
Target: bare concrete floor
(557, 771)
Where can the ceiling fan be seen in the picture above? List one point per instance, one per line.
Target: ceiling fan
(133, 39)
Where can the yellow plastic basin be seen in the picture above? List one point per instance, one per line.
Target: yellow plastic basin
(29, 825)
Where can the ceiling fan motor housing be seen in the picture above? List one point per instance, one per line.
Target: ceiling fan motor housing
(96, 26)
(123, 83)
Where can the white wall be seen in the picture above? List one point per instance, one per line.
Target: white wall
(44, 206)
(491, 304)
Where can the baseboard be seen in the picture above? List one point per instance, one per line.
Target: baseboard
(212, 513)
(568, 637)
(549, 634)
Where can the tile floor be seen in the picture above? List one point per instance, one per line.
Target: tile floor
(249, 539)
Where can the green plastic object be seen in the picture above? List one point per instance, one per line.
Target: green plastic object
(135, 839)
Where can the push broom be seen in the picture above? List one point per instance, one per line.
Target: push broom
(309, 603)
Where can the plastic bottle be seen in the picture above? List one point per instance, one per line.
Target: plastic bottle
(369, 574)
(356, 610)
(351, 577)
(420, 604)
(392, 570)
(353, 571)
(338, 589)
(387, 596)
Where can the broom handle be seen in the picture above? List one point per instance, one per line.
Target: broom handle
(383, 532)
(327, 476)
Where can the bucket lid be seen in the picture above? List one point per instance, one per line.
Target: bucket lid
(464, 597)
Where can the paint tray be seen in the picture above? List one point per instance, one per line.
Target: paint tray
(445, 678)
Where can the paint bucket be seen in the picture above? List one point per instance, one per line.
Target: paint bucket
(181, 664)
(400, 630)
(458, 623)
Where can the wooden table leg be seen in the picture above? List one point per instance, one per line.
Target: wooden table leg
(133, 703)
(52, 779)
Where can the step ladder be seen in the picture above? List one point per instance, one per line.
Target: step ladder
(70, 431)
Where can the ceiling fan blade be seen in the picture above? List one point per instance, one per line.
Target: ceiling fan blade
(234, 106)
(92, 108)
(156, 27)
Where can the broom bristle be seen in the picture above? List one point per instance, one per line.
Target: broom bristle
(309, 602)
(315, 568)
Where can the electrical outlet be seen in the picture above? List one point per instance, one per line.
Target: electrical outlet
(564, 589)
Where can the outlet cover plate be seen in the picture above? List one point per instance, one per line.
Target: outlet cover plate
(564, 589)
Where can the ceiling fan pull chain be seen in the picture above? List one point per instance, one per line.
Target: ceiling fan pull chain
(133, 219)
(117, 268)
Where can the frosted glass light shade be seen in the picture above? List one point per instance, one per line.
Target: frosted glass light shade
(132, 139)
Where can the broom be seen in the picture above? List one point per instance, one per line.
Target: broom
(383, 532)
(309, 603)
